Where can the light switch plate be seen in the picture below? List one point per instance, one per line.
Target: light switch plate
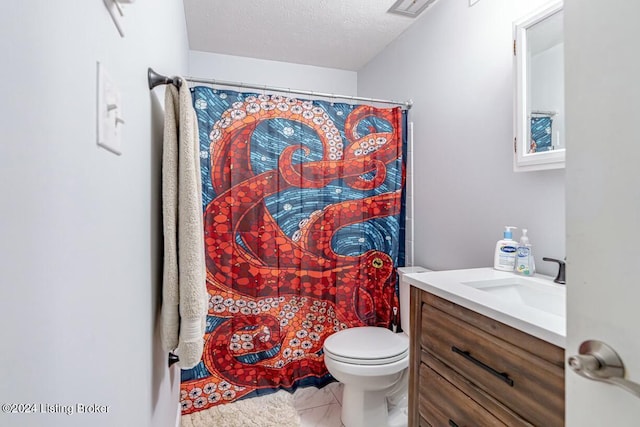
(109, 113)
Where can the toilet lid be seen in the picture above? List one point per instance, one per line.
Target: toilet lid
(367, 345)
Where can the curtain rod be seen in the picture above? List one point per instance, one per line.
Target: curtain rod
(544, 113)
(156, 79)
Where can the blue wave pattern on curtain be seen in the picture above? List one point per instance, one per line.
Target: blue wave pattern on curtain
(541, 134)
(304, 229)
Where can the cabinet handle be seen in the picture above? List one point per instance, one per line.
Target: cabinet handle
(502, 375)
(452, 423)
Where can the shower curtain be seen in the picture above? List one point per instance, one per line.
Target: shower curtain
(541, 134)
(304, 229)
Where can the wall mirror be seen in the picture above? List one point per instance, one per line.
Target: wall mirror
(539, 141)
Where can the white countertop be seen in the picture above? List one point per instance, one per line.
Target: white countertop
(449, 284)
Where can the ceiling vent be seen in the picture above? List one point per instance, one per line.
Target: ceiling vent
(410, 8)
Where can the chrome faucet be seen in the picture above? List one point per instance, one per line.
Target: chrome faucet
(560, 277)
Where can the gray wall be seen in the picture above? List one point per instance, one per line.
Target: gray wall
(272, 73)
(456, 65)
(80, 236)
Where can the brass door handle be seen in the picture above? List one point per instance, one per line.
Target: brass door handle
(597, 361)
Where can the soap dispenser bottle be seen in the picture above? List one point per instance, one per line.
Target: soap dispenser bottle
(505, 255)
(525, 263)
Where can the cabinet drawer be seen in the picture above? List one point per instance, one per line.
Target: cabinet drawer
(527, 384)
(493, 406)
(542, 349)
(443, 405)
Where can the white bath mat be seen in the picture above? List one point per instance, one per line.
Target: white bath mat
(273, 410)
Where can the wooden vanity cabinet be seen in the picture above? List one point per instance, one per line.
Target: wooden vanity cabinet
(470, 370)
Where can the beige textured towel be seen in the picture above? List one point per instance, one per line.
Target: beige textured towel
(184, 293)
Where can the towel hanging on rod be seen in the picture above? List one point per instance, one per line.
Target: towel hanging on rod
(184, 293)
(156, 79)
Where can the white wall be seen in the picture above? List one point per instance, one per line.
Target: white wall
(456, 65)
(273, 73)
(80, 233)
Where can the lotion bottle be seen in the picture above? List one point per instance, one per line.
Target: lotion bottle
(505, 255)
(525, 263)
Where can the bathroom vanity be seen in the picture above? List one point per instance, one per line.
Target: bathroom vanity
(486, 349)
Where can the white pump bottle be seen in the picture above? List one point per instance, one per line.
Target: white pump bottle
(505, 255)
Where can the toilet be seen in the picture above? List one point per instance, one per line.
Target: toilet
(372, 364)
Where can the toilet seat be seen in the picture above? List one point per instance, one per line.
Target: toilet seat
(367, 345)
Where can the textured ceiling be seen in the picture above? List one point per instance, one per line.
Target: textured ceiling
(344, 34)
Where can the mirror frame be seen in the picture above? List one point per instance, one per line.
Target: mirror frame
(521, 160)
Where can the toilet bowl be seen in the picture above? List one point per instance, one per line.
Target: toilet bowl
(369, 361)
(372, 364)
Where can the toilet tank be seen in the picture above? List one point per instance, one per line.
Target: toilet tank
(405, 292)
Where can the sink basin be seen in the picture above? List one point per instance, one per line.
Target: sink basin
(534, 305)
(525, 291)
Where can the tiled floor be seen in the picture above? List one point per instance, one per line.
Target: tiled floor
(319, 407)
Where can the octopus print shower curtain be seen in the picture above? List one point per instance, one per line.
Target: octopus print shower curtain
(302, 206)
